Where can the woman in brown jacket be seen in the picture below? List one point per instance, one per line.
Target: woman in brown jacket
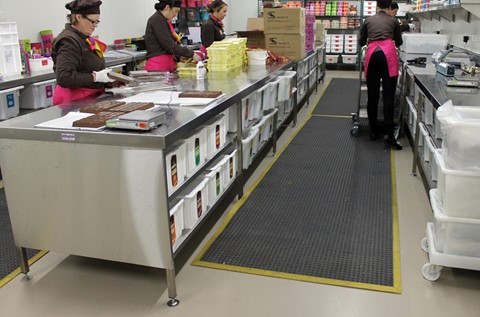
(78, 58)
(212, 29)
(160, 41)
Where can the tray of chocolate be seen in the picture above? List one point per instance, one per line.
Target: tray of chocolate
(102, 106)
(200, 94)
(97, 120)
(132, 106)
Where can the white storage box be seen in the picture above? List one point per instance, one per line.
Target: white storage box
(10, 60)
(230, 168)
(8, 38)
(176, 167)
(248, 147)
(259, 127)
(349, 59)
(216, 183)
(43, 64)
(412, 119)
(460, 126)
(423, 43)
(302, 88)
(176, 221)
(267, 128)
(216, 136)
(9, 102)
(195, 205)
(423, 135)
(281, 110)
(332, 59)
(271, 94)
(286, 85)
(458, 190)
(196, 150)
(428, 148)
(38, 95)
(454, 235)
(256, 104)
(247, 103)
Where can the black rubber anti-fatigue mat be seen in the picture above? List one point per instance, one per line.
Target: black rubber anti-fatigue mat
(340, 98)
(324, 210)
(8, 252)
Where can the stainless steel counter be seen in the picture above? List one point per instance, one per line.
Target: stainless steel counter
(180, 120)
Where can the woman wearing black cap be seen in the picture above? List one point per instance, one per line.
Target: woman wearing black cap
(79, 63)
(212, 29)
(160, 40)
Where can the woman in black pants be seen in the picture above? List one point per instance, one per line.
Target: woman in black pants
(382, 33)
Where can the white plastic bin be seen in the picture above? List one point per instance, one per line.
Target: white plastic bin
(424, 43)
(230, 168)
(286, 85)
(176, 221)
(267, 128)
(216, 136)
(454, 235)
(216, 183)
(195, 205)
(196, 150)
(39, 65)
(10, 60)
(458, 190)
(428, 148)
(349, 59)
(423, 135)
(248, 148)
(176, 167)
(9, 102)
(262, 100)
(38, 95)
(270, 96)
(259, 127)
(412, 119)
(332, 59)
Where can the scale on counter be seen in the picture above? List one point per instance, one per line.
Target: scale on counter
(464, 81)
(140, 120)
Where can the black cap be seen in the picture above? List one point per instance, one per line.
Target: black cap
(84, 6)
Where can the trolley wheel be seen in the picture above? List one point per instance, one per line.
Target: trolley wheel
(355, 131)
(354, 117)
(424, 244)
(431, 272)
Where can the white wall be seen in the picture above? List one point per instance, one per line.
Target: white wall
(456, 31)
(119, 18)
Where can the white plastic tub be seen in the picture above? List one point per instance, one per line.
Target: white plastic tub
(349, 59)
(331, 59)
(412, 119)
(216, 183)
(176, 167)
(10, 60)
(248, 148)
(216, 136)
(428, 149)
(454, 235)
(176, 221)
(38, 95)
(39, 65)
(458, 190)
(257, 57)
(196, 150)
(267, 128)
(270, 96)
(230, 168)
(9, 102)
(195, 205)
(259, 127)
(286, 85)
(423, 135)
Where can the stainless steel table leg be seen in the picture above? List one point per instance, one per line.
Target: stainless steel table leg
(172, 288)
(24, 267)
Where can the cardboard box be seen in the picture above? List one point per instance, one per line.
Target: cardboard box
(284, 20)
(255, 24)
(289, 45)
(255, 39)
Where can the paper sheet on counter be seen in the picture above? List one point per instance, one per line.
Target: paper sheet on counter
(171, 98)
(66, 122)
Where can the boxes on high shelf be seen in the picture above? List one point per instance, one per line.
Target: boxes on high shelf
(284, 20)
(289, 45)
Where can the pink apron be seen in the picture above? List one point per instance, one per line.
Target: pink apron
(161, 63)
(64, 95)
(388, 48)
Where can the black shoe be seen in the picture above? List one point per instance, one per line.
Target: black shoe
(391, 142)
(374, 136)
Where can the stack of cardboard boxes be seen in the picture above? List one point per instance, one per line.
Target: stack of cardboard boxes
(285, 31)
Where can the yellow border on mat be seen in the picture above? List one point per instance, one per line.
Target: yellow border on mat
(14, 274)
(32, 260)
(396, 288)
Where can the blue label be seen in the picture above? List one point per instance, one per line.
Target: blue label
(10, 100)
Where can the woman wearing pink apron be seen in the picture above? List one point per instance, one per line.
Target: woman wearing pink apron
(79, 63)
(382, 32)
(212, 29)
(161, 40)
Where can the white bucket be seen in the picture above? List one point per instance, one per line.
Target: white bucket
(257, 57)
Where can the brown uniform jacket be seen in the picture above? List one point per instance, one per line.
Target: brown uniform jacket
(74, 61)
(159, 39)
(211, 32)
(381, 26)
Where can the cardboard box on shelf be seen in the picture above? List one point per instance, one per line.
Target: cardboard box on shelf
(284, 20)
(255, 39)
(289, 45)
(255, 24)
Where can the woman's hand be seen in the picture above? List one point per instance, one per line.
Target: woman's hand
(196, 57)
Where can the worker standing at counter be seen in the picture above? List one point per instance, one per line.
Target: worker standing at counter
(382, 32)
(160, 40)
(78, 58)
(212, 29)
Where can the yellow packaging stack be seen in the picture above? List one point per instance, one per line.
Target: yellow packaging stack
(227, 54)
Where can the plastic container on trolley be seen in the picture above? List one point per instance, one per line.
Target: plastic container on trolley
(38, 95)
(267, 127)
(286, 85)
(176, 167)
(176, 221)
(261, 101)
(9, 102)
(270, 96)
(260, 127)
(230, 168)
(195, 205)
(216, 136)
(196, 147)
(216, 183)
(248, 147)
(458, 191)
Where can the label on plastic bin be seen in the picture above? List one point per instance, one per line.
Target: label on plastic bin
(197, 151)
(231, 167)
(173, 164)
(172, 229)
(199, 204)
(10, 100)
(49, 91)
(217, 183)
(217, 136)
